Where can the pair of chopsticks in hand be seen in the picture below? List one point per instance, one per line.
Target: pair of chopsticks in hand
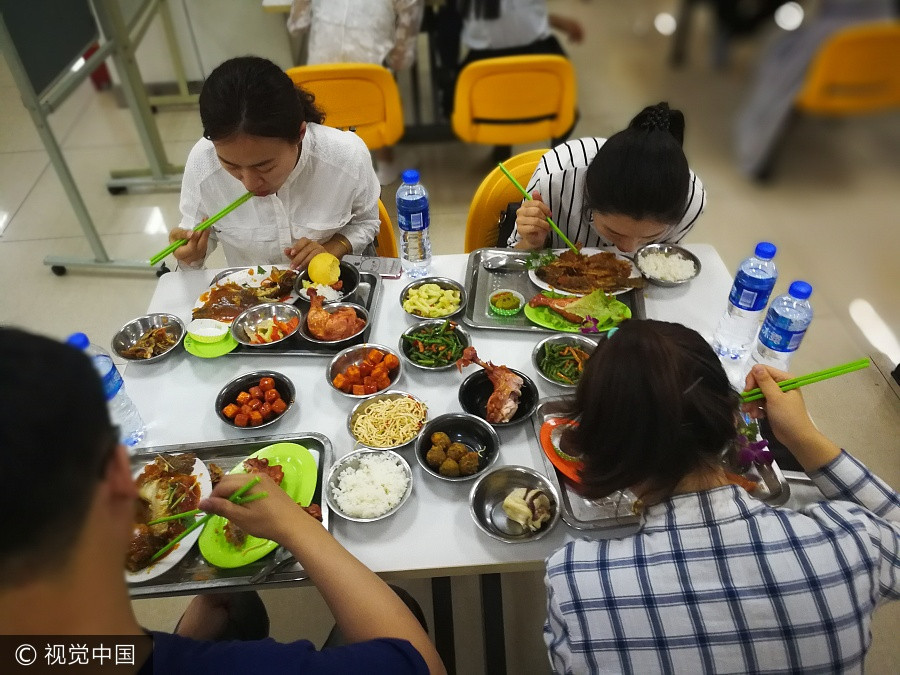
(237, 498)
(202, 226)
(528, 196)
(803, 380)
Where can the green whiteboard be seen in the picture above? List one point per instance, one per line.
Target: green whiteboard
(49, 35)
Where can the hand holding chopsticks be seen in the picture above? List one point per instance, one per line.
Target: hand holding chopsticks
(188, 514)
(202, 226)
(236, 498)
(526, 195)
(803, 380)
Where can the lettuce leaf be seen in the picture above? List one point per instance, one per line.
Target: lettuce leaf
(604, 308)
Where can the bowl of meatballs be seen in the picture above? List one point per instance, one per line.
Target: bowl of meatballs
(457, 446)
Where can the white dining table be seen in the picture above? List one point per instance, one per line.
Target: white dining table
(432, 534)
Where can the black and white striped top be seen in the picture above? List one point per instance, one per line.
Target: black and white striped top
(559, 177)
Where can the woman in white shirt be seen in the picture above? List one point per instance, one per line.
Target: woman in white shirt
(383, 32)
(314, 187)
(494, 28)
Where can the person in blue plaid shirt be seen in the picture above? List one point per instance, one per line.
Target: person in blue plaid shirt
(714, 581)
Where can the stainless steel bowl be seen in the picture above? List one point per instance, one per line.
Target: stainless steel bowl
(351, 460)
(476, 389)
(390, 395)
(667, 250)
(586, 344)
(349, 275)
(486, 503)
(129, 334)
(229, 393)
(463, 428)
(247, 321)
(361, 312)
(444, 283)
(405, 346)
(353, 356)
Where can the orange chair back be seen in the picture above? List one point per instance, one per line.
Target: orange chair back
(359, 96)
(386, 241)
(492, 197)
(856, 71)
(514, 99)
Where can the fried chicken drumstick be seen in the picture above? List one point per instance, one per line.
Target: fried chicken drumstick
(326, 325)
(503, 403)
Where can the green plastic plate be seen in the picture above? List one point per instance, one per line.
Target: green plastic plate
(546, 317)
(299, 482)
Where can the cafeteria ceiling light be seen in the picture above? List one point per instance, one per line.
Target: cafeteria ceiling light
(665, 23)
(789, 16)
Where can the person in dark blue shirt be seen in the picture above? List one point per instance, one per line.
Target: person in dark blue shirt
(70, 497)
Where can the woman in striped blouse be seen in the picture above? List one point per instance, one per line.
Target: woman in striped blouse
(632, 189)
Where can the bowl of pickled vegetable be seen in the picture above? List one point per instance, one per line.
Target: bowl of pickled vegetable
(506, 302)
(435, 344)
(433, 298)
(560, 359)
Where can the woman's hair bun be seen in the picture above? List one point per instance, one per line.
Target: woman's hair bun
(657, 117)
(661, 117)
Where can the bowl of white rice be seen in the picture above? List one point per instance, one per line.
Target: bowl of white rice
(368, 485)
(667, 264)
(349, 283)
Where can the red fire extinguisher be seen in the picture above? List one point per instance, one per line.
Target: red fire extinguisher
(100, 77)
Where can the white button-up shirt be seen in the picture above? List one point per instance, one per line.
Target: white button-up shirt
(332, 189)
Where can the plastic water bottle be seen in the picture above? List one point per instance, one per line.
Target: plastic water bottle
(412, 216)
(784, 327)
(122, 410)
(747, 301)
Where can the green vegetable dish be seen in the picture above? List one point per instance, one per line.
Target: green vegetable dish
(434, 346)
(563, 363)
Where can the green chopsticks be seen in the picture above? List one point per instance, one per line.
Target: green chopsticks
(528, 196)
(233, 498)
(202, 226)
(188, 514)
(803, 380)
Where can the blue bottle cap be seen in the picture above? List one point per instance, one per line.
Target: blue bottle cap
(800, 290)
(411, 176)
(78, 340)
(765, 250)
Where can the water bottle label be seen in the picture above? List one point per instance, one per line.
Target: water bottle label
(780, 339)
(749, 293)
(112, 382)
(413, 222)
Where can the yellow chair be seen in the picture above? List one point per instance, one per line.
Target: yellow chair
(359, 96)
(856, 71)
(492, 197)
(385, 242)
(514, 99)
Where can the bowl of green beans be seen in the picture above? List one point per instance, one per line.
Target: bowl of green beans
(560, 359)
(435, 344)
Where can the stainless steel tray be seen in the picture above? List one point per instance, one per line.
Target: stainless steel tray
(367, 294)
(577, 511)
(480, 284)
(193, 574)
(615, 511)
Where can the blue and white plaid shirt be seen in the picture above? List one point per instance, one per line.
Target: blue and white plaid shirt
(718, 582)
